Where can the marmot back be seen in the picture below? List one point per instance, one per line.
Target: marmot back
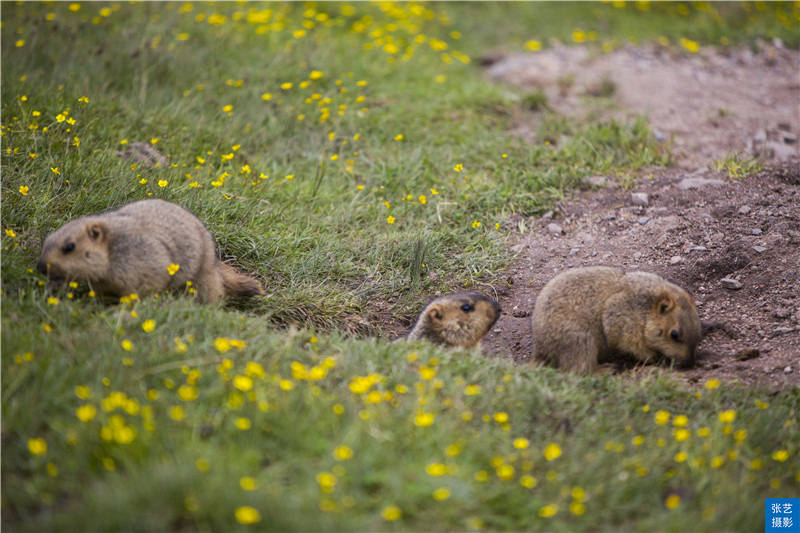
(586, 315)
(459, 320)
(133, 250)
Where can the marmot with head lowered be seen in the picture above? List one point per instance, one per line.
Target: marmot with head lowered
(585, 315)
(458, 321)
(135, 248)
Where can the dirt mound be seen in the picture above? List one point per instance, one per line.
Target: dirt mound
(710, 104)
(733, 243)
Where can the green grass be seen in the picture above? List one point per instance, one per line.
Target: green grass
(339, 279)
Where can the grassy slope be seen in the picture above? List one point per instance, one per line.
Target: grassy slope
(329, 258)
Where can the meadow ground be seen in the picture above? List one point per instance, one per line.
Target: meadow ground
(356, 159)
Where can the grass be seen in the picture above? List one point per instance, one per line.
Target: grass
(221, 416)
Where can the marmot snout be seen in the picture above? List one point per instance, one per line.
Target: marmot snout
(586, 315)
(143, 247)
(459, 320)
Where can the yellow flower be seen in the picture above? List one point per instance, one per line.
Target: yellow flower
(286, 86)
(391, 513)
(342, 453)
(266, 96)
(441, 493)
(390, 219)
(422, 199)
(712, 383)
(222, 344)
(243, 383)
(528, 481)
(86, 412)
(780, 455)
(398, 137)
(326, 481)
(533, 45)
(148, 325)
(286, 384)
(247, 515)
(243, 423)
(452, 450)
(577, 508)
(505, 472)
(662, 417)
(681, 457)
(37, 446)
(176, 413)
(500, 417)
(202, 465)
(521, 443)
(672, 501)
(23, 190)
(727, 416)
(682, 434)
(424, 419)
(315, 75)
(552, 451)
(476, 224)
(680, 421)
(187, 393)
(52, 300)
(162, 183)
(436, 469)
(247, 483)
(154, 140)
(227, 108)
(20, 43)
(127, 345)
(548, 510)
(173, 268)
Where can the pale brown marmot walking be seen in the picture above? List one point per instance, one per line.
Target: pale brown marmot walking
(135, 249)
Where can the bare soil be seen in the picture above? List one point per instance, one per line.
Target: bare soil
(697, 226)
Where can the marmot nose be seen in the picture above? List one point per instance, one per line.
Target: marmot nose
(41, 266)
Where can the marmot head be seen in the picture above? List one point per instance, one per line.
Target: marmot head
(77, 251)
(673, 328)
(460, 320)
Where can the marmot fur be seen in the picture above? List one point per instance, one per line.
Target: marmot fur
(585, 315)
(130, 249)
(458, 320)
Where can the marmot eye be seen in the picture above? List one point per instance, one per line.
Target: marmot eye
(67, 248)
(468, 308)
(674, 335)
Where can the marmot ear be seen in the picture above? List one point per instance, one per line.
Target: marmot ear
(665, 304)
(435, 313)
(97, 231)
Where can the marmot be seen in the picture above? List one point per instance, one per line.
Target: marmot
(134, 249)
(584, 315)
(458, 321)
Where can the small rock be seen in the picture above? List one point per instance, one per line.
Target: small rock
(781, 331)
(698, 249)
(696, 183)
(659, 135)
(497, 330)
(574, 251)
(433, 276)
(610, 216)
(760, 137)
(789, 138)
(640, 198)
(548, 216)
(780, 151)
(759, 249)
(744, 210)
(676, 259)
(597, 181)
(643, 220)
(520, 313)
(517, 248)
(555, 229)
(782, 312)
(637, 256)
(747, 353)
(756, 231)
(732, 284)
(787, 370)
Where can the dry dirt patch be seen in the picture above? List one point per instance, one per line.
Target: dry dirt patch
(734, 244)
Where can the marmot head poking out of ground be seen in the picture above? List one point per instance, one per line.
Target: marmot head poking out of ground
(458, 320)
